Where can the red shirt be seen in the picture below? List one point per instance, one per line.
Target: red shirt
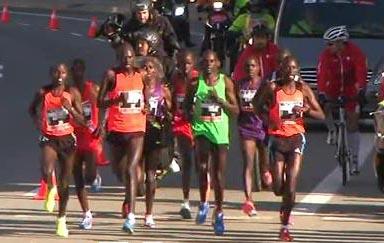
(345, 70)
(267, 59)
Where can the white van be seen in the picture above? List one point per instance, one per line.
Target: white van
(301, 24)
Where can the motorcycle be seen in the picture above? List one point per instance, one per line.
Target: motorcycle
(216, 28)
(177, 13)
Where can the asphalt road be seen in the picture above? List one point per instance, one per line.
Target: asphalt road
(28, 48)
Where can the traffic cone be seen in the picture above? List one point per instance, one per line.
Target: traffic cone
(53, 21)
(43, 189)
(92, 28)
(5, 16)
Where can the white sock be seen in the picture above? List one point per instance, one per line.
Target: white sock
(354, 144)
(88, 214)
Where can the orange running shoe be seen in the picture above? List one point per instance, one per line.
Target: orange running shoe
(285, 235)
(249, 208)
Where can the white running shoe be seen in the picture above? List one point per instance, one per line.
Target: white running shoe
(148, 221)
(174, 166)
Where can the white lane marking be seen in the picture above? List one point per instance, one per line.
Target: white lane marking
(76, 34)
(101, 40)
(23, 216)
(36, 185)
(198, 34)
(1, 68)
(23, 24)
(48, 15)
(352, 219)
(331, 184)
(31, 193)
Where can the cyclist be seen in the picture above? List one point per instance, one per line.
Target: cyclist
(342, 71)
(285, 103)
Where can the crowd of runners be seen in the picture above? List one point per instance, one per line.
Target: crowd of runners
(159, 108)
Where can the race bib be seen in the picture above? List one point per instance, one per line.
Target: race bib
(246, 97)
(180, 101)
(133, 101)
(210, 111)
(87, 110)
(58, 119)
(153, 105)
(286, 111)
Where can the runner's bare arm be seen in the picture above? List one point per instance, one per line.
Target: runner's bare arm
(230, 104)
(37, 99)
(314, 110)
(263, 101)
(108, 81)
(167, 97)
(75, 109)
(189, 98)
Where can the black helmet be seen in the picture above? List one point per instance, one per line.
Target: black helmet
(150, 36)
(116, 21)
(260, 29)
(141, 5)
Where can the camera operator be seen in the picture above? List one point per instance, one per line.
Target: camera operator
(144, 15)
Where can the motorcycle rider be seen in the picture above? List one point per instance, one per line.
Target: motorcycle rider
(342, 71)
(148, 43)
(144, 16)
(263, 48)
(180, 24)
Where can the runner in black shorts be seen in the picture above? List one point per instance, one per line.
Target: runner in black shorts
(52, 110)
(285, 103)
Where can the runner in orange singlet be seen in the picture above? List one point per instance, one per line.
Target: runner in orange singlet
(285, 104)
(122, 92)
(52, 110)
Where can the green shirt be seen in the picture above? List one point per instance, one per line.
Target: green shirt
(210, 119)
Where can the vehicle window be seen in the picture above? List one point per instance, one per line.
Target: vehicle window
(310, 18)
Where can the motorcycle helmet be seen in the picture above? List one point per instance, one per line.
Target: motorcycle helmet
(260, 29)
(142, 5)
(256, 6)
(151, 36)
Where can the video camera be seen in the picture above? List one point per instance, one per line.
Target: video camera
(112, 29)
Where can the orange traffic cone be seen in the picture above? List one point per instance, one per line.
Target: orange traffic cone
(53, 21)
(5, 16)
(92, 28)
(43, 189)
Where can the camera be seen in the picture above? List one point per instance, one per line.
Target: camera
(112, 29)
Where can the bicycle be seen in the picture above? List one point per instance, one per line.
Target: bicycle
(343, 153)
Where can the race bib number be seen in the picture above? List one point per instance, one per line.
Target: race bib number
(286, 111)
(210, 111)
(246, 97)
(153, 105)
(180, 102)
(87, 110)
(133, 101)
(58, 119)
